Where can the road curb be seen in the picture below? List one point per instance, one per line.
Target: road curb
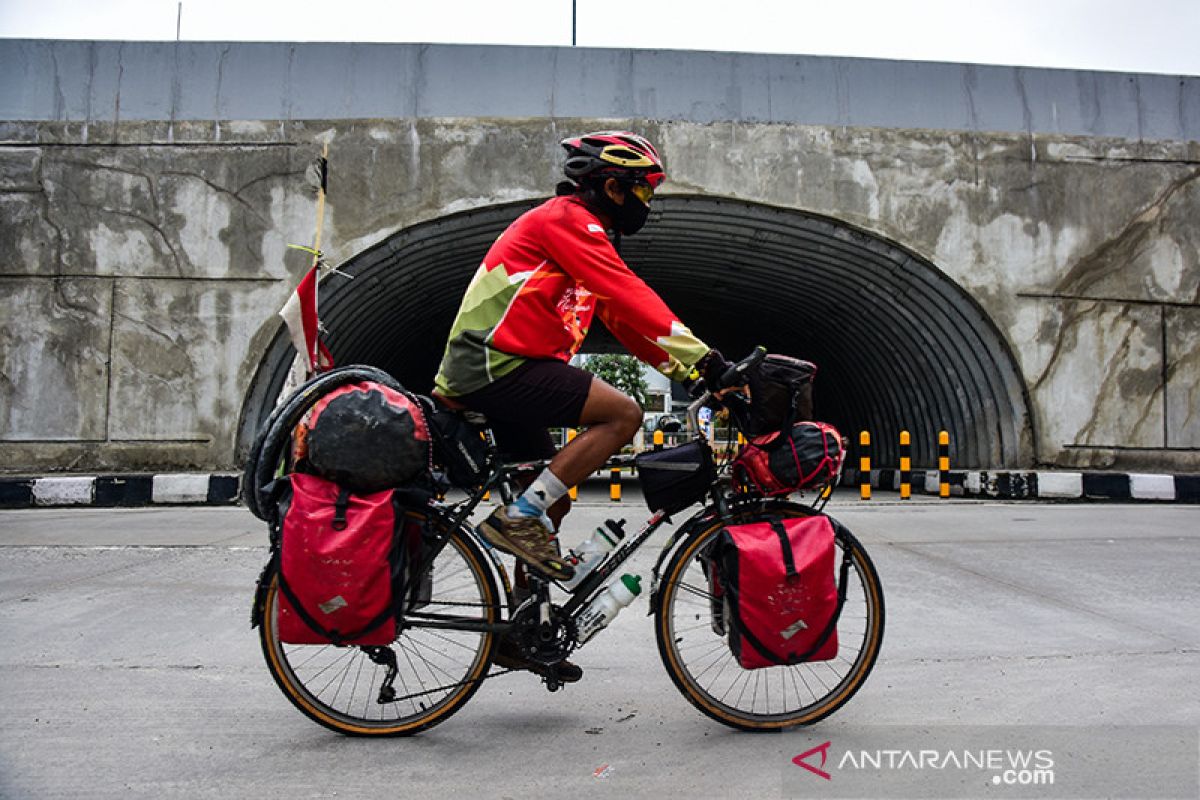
(1045, 485)
(221, 489)
(119, 491)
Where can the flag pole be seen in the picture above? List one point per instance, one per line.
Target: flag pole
(299, 313)
(322, 187)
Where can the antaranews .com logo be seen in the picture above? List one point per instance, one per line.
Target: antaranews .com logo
(999, 762)
(1010, 767)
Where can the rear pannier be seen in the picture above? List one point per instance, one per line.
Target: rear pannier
(346, 562)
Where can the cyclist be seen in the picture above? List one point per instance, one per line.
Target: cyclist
(525, 314)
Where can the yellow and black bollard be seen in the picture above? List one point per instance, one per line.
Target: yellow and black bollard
(864, 465)
(943, 464)
(614, 489)
(658, 440)
(905, 465)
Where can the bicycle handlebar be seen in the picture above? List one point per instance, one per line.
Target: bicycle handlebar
(734, 376)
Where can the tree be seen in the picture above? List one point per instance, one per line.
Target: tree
(621, 371)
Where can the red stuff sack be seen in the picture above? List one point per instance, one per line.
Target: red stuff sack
(807, 456)
(781, 597)
(366, 437)
(341, 564)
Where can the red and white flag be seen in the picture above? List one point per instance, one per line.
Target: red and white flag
(300, 315)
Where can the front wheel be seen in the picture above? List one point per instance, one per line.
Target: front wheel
(704, 669)
(422, 678)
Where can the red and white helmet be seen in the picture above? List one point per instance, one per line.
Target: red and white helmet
(617, 154)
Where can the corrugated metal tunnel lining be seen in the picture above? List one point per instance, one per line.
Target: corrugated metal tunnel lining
(898, 344)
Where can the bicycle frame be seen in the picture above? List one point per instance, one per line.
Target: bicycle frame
(501, 479)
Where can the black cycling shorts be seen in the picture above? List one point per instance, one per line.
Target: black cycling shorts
(533, 397)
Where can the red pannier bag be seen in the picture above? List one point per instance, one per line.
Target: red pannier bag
(341, 563)
(781, 599)
(809, 455)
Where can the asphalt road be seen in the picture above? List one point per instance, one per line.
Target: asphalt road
(128, 668)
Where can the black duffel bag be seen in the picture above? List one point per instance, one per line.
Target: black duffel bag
(367, 437)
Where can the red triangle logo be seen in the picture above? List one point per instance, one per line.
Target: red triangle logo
(823, 749)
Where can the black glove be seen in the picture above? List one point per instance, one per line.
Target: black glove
(711, 368)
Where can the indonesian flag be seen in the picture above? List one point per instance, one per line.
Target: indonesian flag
(300, 316)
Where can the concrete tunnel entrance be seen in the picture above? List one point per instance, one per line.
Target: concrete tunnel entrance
(899, 346)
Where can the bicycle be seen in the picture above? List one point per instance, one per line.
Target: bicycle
(444, 648)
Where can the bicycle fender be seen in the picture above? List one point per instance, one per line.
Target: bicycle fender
(260, 591)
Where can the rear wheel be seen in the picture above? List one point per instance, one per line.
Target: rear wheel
(432, 671)
(700, 663)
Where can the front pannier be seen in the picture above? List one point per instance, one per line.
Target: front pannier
(780, 596)
(367, 437)
(809, 456)
(674, 478)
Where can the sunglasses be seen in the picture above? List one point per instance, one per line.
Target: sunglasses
(642, 192)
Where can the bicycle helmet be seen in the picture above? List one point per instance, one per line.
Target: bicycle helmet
(613, 154)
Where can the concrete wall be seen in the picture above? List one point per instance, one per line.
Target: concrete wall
(147, 192)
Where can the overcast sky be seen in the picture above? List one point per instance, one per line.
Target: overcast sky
(1124, 35)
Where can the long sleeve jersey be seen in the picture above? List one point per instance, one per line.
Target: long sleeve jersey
(536, 292)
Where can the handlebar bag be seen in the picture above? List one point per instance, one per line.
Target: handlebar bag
(343, 559)
(674, 478)
(780, 594)
(808, 456)
(780, 394)
(366, 437)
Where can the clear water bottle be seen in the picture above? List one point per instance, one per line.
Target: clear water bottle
(607, 605)
(587, 556)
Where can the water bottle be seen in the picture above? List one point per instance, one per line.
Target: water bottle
(587, 556)
(607, 605)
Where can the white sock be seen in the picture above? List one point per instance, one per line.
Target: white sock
(544, 492)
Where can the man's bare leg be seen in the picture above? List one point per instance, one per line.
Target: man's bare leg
(611, 419)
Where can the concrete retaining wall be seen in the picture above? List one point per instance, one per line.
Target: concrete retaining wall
(147, 194)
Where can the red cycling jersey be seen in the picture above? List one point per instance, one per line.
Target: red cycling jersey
(536, 292)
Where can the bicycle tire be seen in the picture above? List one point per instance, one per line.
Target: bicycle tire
(705, 671)
(338, 687)
(270, 446)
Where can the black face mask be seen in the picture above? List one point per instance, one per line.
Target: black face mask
(632, 215)
(627, 218)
